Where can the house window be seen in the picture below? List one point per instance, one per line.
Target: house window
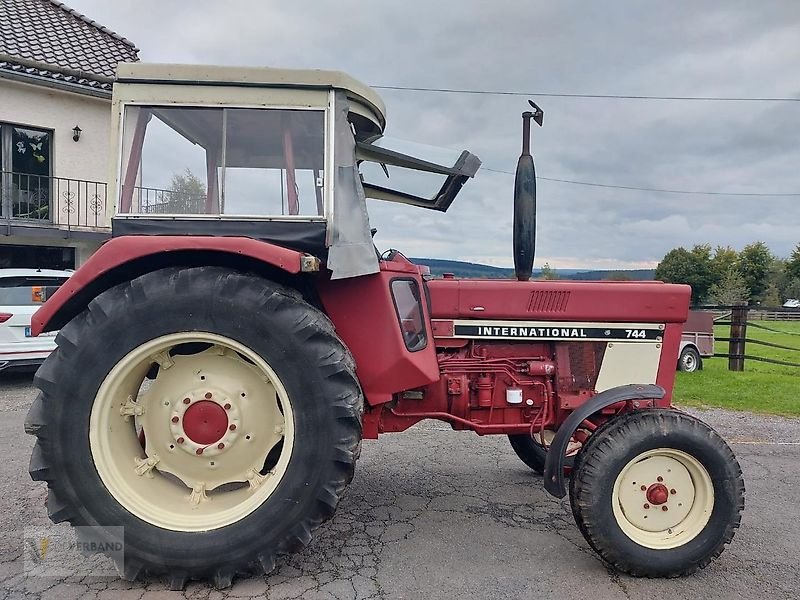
(37, 257)
(25, 162)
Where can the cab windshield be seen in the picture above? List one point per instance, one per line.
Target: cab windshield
(222, 161)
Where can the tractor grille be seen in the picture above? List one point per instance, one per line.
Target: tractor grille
(585, 360)
(548, 301)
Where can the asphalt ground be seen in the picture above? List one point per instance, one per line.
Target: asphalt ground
(434, 513)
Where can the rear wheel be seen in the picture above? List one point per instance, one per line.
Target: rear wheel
(657, 493)
(199, 409)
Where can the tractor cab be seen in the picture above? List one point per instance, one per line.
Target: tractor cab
(285, 156)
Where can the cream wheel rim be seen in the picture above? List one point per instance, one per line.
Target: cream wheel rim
(663, 498)
(200, 446)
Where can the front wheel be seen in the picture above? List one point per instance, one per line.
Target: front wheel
(657, 493)
(213, 415)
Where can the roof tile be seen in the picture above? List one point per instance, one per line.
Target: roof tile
(50, 32)
(84, 81)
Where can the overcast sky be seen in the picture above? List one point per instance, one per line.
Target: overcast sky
(725, 48)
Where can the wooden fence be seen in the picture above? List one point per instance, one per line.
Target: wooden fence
(740, 318)
(774, 315)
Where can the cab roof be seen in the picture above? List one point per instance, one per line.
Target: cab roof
(268, 77)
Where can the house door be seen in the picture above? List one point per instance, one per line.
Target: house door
(25, 162)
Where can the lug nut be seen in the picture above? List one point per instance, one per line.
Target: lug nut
(208, 395)
(643, 488)
(672, 491)
(664, 508)
(180, 440)
(232, 427)
(220, 446)
(227, 406)
(187, 400)
(198, 451)
(175, 419)
(659, 478)
(647, 506)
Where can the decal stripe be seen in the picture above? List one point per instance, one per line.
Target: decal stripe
(521, 330)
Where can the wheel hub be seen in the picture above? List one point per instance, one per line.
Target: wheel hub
(657, 494)
(211, 419)
(205, 422)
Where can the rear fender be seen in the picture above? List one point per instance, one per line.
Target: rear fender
(554, 463)
(127, 257)
(366, 318)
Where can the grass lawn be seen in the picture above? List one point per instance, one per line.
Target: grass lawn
(762, 387)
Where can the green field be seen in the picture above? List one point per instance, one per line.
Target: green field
(762, 387)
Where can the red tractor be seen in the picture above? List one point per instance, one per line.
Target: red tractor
(221, 358)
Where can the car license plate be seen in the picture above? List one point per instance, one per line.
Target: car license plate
(41, 335)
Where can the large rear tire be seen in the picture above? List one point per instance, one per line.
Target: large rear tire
(214, 415)
(657, 493)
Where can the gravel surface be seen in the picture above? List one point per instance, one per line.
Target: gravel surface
(434, 513)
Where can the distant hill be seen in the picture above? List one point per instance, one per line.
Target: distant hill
(478, 271)
(463, 269)
(618, 274)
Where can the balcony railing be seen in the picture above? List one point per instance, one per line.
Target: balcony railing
(57, 201)
(159, 201)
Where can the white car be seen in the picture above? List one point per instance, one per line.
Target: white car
(22, 292)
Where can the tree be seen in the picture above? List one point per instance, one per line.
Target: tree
(619, 276)
(772, 297)
(754, 264)
(724, 258)
(776, 281)
(792, 269)
(693, 267)
(792, 289)
(730, 289)
(188, 194)
(548, 272)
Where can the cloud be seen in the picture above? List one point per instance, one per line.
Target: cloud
(678, 48)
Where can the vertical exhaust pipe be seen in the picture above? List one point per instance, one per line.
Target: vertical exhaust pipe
(525, 200)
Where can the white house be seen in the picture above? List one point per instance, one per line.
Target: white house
(56, 69)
